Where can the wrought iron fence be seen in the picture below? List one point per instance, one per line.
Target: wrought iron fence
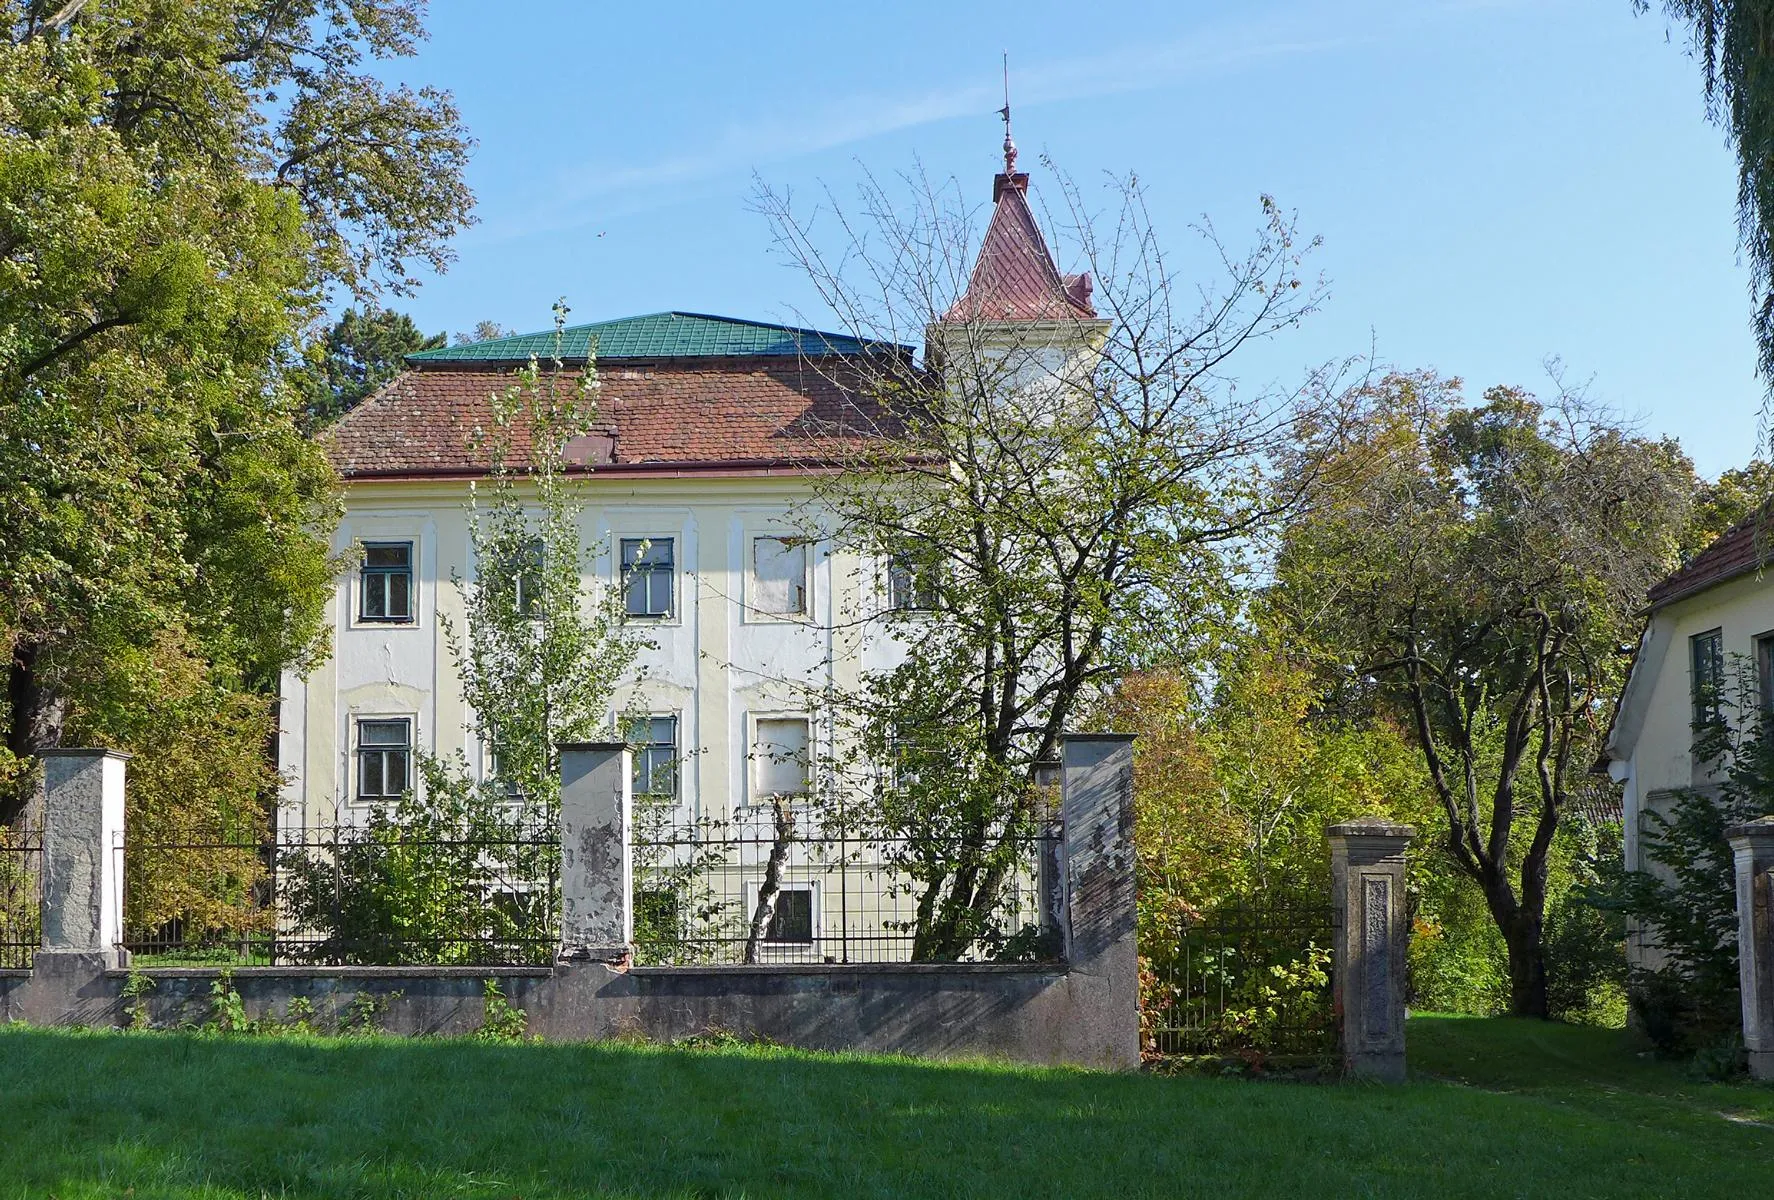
(373, 893)
(787, 886)
(1247, 978)
(21, 874)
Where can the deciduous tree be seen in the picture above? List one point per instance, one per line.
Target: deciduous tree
(1478, 569)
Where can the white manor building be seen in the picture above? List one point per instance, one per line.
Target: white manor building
(695, 486)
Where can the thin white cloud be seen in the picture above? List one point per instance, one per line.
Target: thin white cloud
(596, 192)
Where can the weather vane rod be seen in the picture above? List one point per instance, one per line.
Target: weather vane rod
(1009, 144)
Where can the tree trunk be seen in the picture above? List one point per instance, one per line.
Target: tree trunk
(1524, 934)
(38, 713)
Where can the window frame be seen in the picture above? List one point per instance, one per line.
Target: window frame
(778, 947)
(1764, 644)
(624, 571)
(755, 796)
(639, 750)
(1706, 710)
(754, 613)
(366, 572)
(361, 752)
(918, 593)
(530, 568)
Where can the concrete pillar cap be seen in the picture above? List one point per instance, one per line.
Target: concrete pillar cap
(85, 752)
(1757, 830)
(1372, 827)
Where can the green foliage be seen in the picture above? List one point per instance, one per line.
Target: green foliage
(363, 1016)
(501, 1020)
(542, 650)
(227, 1011)
(1730, 40)
(1686, 897)
(135, 998)
(180, 186)
(1472, 569)
(358, 354)
(460, 876)
(1586, 941)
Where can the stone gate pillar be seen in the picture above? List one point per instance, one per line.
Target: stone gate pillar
(597, 855)
(1752, 849)
(82, 883)
(1370, 936)
(1100, 926)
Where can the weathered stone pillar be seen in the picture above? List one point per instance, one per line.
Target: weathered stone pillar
(1752, 848)
(83, 853)
(597, 859)
(1369, 939)
(1096, 807)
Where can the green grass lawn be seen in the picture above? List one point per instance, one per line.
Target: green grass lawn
(1514, 1109)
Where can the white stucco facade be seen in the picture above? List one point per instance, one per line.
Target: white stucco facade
(718, 664)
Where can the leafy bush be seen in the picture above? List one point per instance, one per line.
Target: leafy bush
(461, 876)
(1687, 901)
(1586, 942)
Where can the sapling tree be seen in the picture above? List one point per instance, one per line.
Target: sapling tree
(465, 865)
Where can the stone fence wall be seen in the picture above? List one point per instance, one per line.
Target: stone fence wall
(1083, 1010)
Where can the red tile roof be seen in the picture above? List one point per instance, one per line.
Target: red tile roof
(1014, 278)
(1743, 548)
(708, 414)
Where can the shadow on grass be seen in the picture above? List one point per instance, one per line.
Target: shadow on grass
(170, 1115)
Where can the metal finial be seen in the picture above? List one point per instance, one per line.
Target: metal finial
(1009, 144)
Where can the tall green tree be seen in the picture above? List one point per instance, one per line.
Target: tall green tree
(357, 354)
(1477, 569)
(181, 183)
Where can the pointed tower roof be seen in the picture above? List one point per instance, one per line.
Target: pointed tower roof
(1014, 278)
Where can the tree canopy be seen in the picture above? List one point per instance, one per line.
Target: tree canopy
(357, 354)
(1478, 569)
(182, 182)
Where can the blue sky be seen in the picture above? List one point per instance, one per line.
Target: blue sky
(1495, 181)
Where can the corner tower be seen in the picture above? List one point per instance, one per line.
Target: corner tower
(1019, 314)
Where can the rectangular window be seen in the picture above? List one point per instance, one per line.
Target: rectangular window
(792, 920)
(384, 757)
(779, 758)
(1765, 673)
(653, 750)
(647, 569)
(387, 577)
(500, 773)
(909, 588)
(1707, 654)
(525, 572)
(779, 575)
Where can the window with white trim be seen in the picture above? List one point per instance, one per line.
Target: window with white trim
(384, 757)
(910, 587)
(648, 570)
(653, 754)
(386, 583)
(791, 919)
(524, 569)
(779, 757)
(779, 575)
(1706, 653)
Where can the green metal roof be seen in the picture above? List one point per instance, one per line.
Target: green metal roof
(656, 335)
